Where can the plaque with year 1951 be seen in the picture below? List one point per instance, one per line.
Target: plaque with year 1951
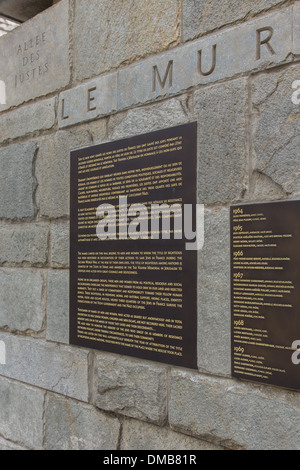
(133, 288)
(265, 241)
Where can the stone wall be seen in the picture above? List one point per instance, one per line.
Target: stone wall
(109, 54)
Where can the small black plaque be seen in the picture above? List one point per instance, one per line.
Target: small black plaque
(265, 247)
(134, 297)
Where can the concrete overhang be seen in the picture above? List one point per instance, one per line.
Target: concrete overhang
(22, 10)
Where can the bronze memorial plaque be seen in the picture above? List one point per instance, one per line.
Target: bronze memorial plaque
(133, 286)
(265, 247)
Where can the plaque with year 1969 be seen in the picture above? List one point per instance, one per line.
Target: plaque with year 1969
(133, 288)
(265, 241)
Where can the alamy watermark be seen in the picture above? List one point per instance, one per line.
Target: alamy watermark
(140, 222)
(2, 353)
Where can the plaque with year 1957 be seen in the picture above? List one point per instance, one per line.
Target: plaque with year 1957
(133, 288)
(265, 241)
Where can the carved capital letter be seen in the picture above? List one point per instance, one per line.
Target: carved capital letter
(162, 82)
(214, 61)
(260, 42)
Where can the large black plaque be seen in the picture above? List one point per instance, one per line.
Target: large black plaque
(136, 297)
(265, 247)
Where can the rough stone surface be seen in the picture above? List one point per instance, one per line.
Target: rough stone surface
(137, 435)
(21, 303)
(131, 388)
(36, 56)
(179, 68)
(60, 245)
(126, 31)
(75, 426)
(53, 167)
(214, 353)
(17, 182)
(263, 189)
(296, 28)
(202, 16)
(233, 414)
(7, 445)
(135, 63)
(277, 128)
(170, 113)
(58, 306)
(24, 244)
(27, 120)
(53, 367)
(21, 414)
(222, 142)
